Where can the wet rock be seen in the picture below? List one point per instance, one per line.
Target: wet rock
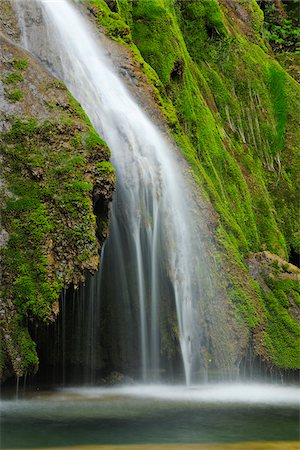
(116, 378)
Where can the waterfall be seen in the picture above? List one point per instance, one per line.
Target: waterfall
(154, 255)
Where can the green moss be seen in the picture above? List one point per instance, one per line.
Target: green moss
(75, 107)
(92, 139)
(80, 186)
(28, 349)
(233, 112)
(115, 27)
(20, 64)
(204, 29)
(225, 181)
(277, 82)
(19, 129)
(29, 223)
(282, 332)
(244, 306)
(14, 96)
(104, 167)
(13, 78)
(124, 9)
(68, 163)
(282, 32)
(290, 61)
(48, 214)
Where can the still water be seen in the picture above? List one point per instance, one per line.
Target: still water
(139, 415)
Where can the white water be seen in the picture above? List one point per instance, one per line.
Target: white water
(220, 393)
(251, 394)
(156, 251)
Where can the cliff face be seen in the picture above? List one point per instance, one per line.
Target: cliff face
(233, 110)
(55, 176)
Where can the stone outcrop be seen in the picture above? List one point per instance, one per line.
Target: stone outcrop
(55, 178)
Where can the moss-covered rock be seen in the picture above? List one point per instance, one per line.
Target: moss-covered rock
(233, 110)
(279, 283)
(52, 165)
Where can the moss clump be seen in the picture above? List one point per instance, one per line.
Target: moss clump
(92, 139)
(28, 350)
(116, 28)
(20, 63)
(104, 167)
(15, 95)
(12, 78)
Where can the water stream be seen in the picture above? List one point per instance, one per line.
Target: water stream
(154, 256)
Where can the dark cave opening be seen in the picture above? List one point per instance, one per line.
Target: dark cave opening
(294, 257)
(96, 341)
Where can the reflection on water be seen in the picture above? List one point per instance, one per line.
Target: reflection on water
(283, 445)
(138, 415)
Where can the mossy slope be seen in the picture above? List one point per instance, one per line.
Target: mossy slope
(52, 163)
(233, 110)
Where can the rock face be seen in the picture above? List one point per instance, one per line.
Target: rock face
(233, 110)
(278, 281)
(55, 180)
(205, 70)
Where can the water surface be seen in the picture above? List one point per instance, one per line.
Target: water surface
(153, 416)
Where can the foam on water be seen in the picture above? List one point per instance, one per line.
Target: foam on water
(209, 393)
(231, 393)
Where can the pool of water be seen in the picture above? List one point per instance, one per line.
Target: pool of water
(138, 415)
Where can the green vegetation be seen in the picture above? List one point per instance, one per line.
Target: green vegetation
(281, 27)
(20, 64)
(48, 213)
(233, 111)
(12, 78)
(281, 30)
(284, 36)
(104, 167)
(15, 95)
(47, 189)
(282, 333)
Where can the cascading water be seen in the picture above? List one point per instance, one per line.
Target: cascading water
(154, 254)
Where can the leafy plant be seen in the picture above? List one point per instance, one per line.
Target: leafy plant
(281, 30)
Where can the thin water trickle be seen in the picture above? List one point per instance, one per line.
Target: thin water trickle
(154, 255)
(17, 387)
